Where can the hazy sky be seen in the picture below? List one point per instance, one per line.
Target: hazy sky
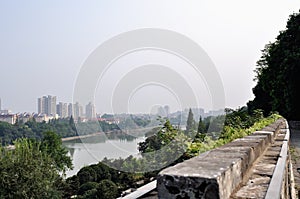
(45, 43)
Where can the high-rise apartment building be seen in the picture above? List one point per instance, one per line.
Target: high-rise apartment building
(51, 105)
(62, 109)
(64, 112)
(90, 111)
(42, 105)
(77, 110)
(47, 105)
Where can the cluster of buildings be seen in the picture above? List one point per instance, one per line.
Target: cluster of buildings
(47, 105)
(48, 108)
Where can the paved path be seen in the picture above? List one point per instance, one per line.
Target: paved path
(295, 154)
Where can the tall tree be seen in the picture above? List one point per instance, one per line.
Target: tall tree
(201, 131)
(278, 73)
(190, 123)
(201, 126)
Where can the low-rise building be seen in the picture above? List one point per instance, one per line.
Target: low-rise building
(24, 117)
(41, 118)
(9, 118)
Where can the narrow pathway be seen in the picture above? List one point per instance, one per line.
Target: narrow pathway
(259, 176)
(295, 155)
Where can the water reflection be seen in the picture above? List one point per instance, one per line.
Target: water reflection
(91, 150)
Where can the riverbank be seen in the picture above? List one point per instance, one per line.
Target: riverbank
(81, 136)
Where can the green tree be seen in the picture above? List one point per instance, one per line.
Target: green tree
(71, 187)
(161, 138)
(160, 149)
(72, 124)
(190, 124)
(52, 145)
(87, 174)
(102, 171)
(89, 194)
(28, 172)
(87, 186)
(201, 132)
(201, 126)
(278, 72)
(107, 190)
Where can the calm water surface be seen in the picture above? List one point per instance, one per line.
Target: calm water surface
(93, 149)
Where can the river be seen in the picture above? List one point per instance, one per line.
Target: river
(91, 150)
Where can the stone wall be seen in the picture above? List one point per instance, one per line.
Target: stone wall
(217, 173)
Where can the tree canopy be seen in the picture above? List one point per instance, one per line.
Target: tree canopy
(28, 172)
(52, 145)
(278, 73)
(32, 169)
(64, 127)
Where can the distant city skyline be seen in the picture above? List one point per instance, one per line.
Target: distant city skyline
(50, 106)
(45, 105)
(45, 43)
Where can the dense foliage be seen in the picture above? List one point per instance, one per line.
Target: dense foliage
(31, 170)
(63, 127)
(278, 73)
(99, 181)
(33, 129)
(238, 123)
(51, 144)
(162, 137)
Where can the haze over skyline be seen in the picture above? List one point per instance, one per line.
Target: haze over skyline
(44, 44)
